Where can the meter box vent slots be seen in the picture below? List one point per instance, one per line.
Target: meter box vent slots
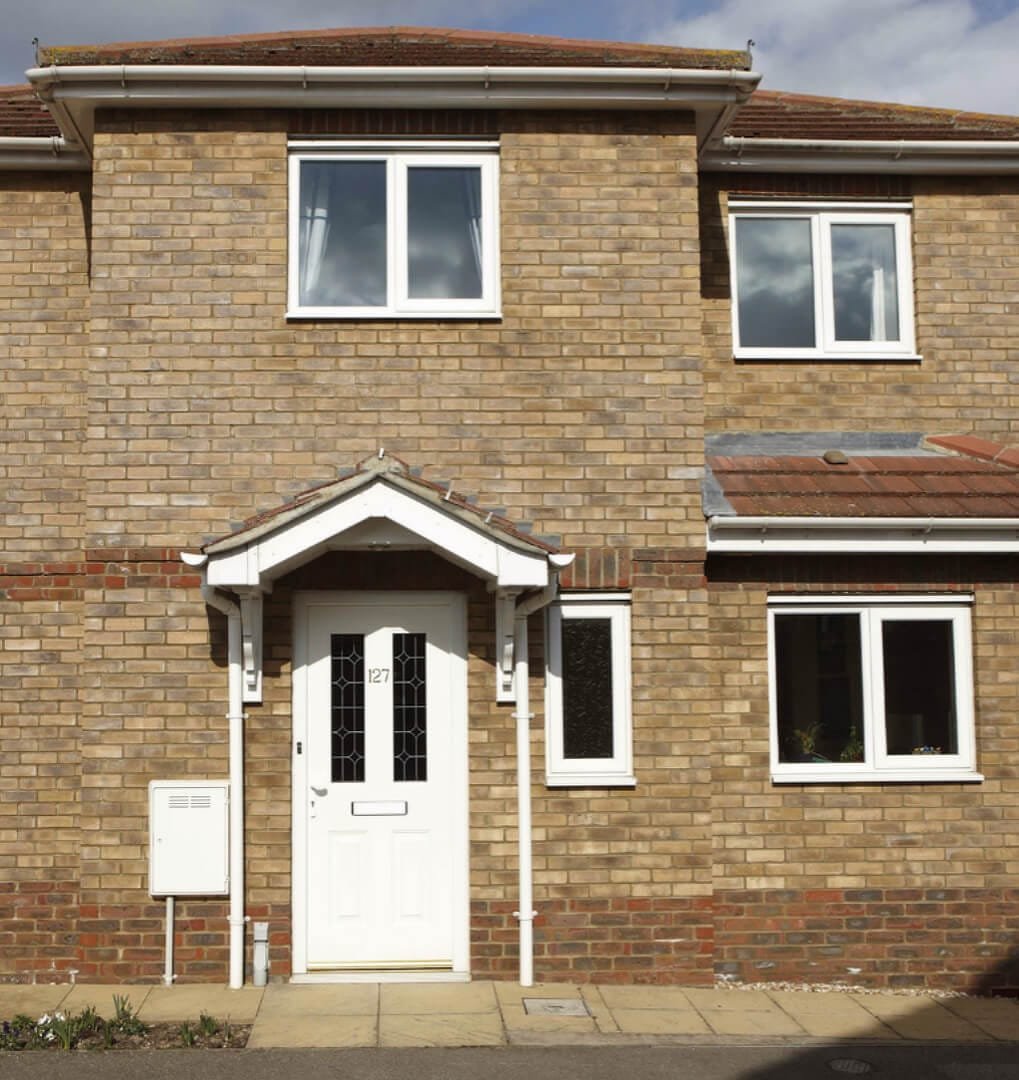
(188, 839)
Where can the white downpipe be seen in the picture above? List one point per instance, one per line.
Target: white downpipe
(525, 914)
(168, 951)
(521, 678)
(235, 719)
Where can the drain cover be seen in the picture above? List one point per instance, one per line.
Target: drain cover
(850, 1065)
(555, 1007)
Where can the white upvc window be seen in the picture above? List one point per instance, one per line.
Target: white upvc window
(588, 720)
(832, 281)
(385, 233)
(871, 689)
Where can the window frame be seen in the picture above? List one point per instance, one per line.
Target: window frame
(616, 771)
(398, 161)
(878, 765)
(821, 217)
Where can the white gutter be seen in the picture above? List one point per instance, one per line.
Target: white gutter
(41, 152)
(731, 534)
(737, 153)
(74, 91)
(235, 720)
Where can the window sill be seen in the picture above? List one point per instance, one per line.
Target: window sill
(788, 356)
(885, 776)
(589, 780)
(370, 315)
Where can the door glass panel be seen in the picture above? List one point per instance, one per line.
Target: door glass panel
(347, 727)
(919, 668)
(444, 233)
(775, 283)
(587, 688)
(410, 719)
(864, 282)
(819, 688)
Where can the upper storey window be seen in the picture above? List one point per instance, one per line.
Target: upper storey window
(393, 233)
(832, 282)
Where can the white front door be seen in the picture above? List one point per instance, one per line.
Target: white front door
(384, 770)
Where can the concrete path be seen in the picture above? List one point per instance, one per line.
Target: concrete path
(495, 1014)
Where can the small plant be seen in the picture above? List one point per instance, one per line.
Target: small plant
(853, 750)
(65, 1029)
(187, 1033)
(107, 1033)
(208, 1025)
(125, 1019)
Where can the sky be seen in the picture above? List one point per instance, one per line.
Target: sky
(959, 54)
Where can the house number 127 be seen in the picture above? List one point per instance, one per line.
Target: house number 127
(378, 675)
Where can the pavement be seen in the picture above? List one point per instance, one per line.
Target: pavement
(344, 1015)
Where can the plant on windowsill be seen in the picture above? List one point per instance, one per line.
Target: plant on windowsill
(853, 750)
(927, 750)
(805, 743)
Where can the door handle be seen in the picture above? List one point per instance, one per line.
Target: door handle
(321, 792)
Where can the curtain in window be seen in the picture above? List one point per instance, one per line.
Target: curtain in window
(314, 235)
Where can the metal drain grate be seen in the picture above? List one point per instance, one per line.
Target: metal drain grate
(853, 1066)
(555, 1007)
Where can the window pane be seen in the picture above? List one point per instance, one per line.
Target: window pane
(587, 688)
(919, 668)
(410, 711)
(347, 727)
(819, 688)
(775, 282)
(444, 233)
(865, 283)
(342, 240)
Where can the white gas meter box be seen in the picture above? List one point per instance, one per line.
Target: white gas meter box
(188, 838)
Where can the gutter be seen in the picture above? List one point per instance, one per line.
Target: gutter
(42, 152)
(75, 91)
(741, 154)
(730, 534)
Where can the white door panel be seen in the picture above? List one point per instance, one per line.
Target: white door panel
(384, 771)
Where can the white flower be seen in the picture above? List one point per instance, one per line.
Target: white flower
(44, 1019)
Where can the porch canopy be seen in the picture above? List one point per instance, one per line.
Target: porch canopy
(381, 506)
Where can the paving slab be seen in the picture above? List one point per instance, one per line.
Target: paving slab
(834, 1015)
(645, 997)
(742, 1012)
(431, 998)
(324, 999)
(311, 1030)
(661, 1022)
(31, 1000)
(461, 1029)
(519, 1022)
(188, 1002)
(920, 1018)
(997, 1017)
(599, 1009)
(100, 998)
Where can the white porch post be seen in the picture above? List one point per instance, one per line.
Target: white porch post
(526, 912)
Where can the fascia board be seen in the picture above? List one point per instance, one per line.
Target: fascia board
(861, 536)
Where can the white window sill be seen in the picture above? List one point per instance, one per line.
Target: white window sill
(876, 776)
(794, 354)
(368, 314)
(589, 780)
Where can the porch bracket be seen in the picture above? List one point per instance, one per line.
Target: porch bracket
(505, 613)
(251, 643)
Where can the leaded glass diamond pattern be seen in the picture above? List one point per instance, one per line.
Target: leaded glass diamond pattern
(410, 714)
(347, 677)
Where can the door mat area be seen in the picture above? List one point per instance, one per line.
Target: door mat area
(555, 1007)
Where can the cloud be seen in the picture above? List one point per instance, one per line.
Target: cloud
(950, 53)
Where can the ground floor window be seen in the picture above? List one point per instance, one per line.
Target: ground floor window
(871, 689)
(588, 727)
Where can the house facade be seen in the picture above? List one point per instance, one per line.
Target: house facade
(500, 507)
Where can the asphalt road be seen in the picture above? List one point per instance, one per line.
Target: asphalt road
(938, 1061)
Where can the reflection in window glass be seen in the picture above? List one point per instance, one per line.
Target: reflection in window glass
(775, 282)
(444, 233)
(342, 239)
(587, 688)
(819, 688)
(865, 284)
(919, 670)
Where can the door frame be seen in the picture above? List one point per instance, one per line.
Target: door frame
(456, 606)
